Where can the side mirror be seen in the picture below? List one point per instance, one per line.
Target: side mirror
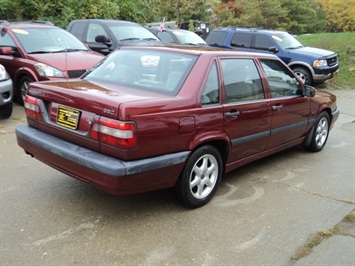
(103, 39)
(6, 51)
(273, 49)
(309, 91)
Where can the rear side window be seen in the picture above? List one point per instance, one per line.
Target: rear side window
(242, 40)
(166, 37)
(241, 80)
(216, 37)
(78, 30)
(281, 81)
(210, 94)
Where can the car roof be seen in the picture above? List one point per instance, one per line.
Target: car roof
(197, 50)
(27, 24)
(106, 21)
(248, 29)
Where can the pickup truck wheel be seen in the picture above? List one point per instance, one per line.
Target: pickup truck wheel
(22, 89)
(200, 177)
(320, 133)
(6, 110)
(304, 75)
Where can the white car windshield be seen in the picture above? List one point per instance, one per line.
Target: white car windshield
(48, 40)
(287, 41)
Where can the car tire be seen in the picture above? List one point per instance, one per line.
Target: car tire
(200, 178)
(22, 89)
(319, 133)
(304, 75)
(6, 110)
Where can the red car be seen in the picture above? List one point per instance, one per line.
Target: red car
(40, 51)
(159, 117)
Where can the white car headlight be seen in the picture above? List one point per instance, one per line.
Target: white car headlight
(48, 71)
(320, 63)
(3, 74)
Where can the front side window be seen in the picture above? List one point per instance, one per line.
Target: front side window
(241, 80)
(94, 30)
(6, 40)
(281, 81)
(263, 42)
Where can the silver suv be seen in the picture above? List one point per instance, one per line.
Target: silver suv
(6, 93)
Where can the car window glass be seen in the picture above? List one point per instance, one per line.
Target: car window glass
(93, 31)
(263, 42)
(47, 40)
(126, 32)
(242, 40)
(165, 37)
(78, 29)
(210, 94)
(216, 37)
(162, 72)
(6, 40)
(241, 80)
(281, 81)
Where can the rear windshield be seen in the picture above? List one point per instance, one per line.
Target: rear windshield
(159, 71)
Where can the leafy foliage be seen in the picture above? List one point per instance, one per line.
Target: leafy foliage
(295, 16)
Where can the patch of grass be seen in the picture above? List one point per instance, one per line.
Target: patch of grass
(342, 43)
(314, 240)
(318, 237)
(350, 218)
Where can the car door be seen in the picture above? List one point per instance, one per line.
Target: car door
(247, 113)
(290, 109)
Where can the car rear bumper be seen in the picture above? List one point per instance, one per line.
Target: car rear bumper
(110, 174)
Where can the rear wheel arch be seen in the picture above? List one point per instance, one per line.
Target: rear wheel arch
(202, 173)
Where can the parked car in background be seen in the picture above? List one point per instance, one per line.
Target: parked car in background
(178, 36)
(311, 65)
(37, 51)
(105, 36)
(150, 118)
(6, 93)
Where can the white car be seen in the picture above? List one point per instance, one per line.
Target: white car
(6, 93)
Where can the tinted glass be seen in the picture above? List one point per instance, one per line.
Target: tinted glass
(242, 40)
(216, 37)
(78, 29)
(263, 42)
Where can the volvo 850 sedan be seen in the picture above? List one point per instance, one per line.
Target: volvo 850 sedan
(149, 118)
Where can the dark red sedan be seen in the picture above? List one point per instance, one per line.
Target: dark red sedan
(159, 117)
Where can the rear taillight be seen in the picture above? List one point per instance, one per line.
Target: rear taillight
(114, 132)
(32, 108)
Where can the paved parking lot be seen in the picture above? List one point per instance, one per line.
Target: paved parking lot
(261, 214)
